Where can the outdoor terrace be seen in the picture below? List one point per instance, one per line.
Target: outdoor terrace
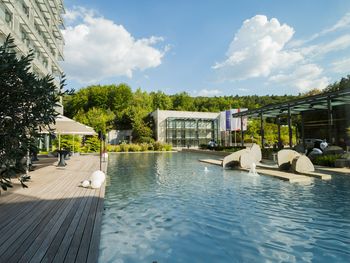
(54, 220)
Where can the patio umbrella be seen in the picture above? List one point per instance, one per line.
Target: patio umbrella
(67, 126)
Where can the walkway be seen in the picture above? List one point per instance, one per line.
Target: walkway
(54, 220)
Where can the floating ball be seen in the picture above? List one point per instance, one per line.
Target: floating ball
(98, 176)
(85, 183)
(96, 184)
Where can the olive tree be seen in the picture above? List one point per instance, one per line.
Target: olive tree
(27, 104)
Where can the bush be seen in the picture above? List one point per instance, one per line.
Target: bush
(91, 144)
(113, 148)
(124, 147)
(326, 160)
(168, 147)
(67, 142)
(146, 140)
(134, 148)
(157, 146)
(144, 147)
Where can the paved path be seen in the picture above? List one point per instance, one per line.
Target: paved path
(54, 220)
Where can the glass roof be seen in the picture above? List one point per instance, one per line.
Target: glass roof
(315, 102)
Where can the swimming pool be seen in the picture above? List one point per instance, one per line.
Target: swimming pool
(165, 207)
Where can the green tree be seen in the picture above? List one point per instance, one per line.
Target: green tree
(161, 101)
(183, 102)
(99, 119)
(27, 103)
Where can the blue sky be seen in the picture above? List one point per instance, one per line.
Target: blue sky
(210, 48)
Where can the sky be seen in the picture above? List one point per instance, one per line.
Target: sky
(207, 47)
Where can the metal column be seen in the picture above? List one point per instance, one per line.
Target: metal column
(262, 130)
(290, 131)
(242, 132)
(279, 144)
(330, 120)
(303, 129)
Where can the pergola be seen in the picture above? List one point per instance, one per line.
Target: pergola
(325, 101)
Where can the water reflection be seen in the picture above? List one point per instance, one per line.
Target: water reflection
(165, 208)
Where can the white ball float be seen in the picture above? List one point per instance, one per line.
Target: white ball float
(97, 178)
(85, 183)
(96, 184)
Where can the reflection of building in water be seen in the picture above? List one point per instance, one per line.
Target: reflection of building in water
(186, 128)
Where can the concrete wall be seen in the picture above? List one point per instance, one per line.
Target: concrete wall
(119, 136)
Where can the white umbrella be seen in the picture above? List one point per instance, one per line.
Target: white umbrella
(67, 126)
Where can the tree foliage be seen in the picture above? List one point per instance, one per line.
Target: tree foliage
(27, 103)
(131, 109)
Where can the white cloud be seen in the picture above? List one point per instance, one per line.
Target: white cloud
(208, 92)
(257, 49)
(97, 48)
(342, 23)
(264, 48)
(341, 66)
(304, 78)
(340, 43)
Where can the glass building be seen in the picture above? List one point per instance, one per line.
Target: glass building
(186, 129)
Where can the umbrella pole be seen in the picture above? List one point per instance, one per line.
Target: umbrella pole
(73, 144)
(59, 141)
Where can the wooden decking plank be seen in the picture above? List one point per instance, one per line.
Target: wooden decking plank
(15, 241)
(45, 236)
(18, 216)
(50, 220)
(71, 232)
(93, 251)
(87, 234)
(69, 235)
(22, 227)
(71, 220)
(20, 210)
(75, 243)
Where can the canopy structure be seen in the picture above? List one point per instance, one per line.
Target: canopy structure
(67, 126)
(324, 101)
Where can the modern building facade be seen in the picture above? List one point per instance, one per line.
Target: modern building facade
(186, 128)
(35, 25)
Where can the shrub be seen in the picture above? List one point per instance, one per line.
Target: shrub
(146, 140)
(124, 147)
(144, 147)
(113, 148)
(168, 147)
(134, 148)
(91, 144)
(326, 160)
(157, 146)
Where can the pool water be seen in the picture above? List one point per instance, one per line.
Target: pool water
(166, 207)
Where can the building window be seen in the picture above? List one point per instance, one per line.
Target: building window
(45, 63)
(23, 35)
(8, 17)
(25, 9)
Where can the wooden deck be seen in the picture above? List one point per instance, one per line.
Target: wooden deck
(54, 220)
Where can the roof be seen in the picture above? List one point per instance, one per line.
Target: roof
(66, 125)
(315, 102)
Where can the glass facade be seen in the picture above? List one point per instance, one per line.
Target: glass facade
(192, 132)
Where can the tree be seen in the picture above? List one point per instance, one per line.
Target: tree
(183, 102)
(161, 101)
(27, 104)
(97, 118)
